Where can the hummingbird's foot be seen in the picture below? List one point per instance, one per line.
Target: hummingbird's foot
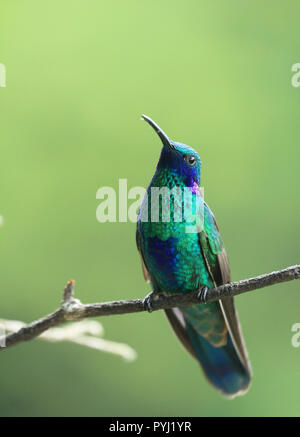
(147, 302)
(202, 294)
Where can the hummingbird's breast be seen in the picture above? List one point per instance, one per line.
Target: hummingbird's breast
(176, 263)
(172, 254)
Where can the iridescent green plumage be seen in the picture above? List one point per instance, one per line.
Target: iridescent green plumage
(177, 259)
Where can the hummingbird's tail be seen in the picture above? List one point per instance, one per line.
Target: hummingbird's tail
(224, 367)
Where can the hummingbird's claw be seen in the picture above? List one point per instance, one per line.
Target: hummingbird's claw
(147, 302)
(202, 294)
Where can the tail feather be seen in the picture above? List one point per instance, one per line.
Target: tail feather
(221, 365)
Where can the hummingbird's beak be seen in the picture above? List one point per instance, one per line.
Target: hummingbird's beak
(165, 139)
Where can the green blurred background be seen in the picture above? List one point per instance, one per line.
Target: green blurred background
(215, 75)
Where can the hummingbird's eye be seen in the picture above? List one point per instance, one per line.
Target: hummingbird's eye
(190, 160)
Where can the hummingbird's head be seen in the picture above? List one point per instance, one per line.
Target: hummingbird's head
(177, 157)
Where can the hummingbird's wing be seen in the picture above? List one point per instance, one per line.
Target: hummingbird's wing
(217, 264)
(144, 268)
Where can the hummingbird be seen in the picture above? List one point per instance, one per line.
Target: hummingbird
(176, 260)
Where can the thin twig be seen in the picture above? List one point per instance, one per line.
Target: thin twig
(85, 332)
(73, 309)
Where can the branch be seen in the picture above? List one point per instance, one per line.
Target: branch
(73, 309)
